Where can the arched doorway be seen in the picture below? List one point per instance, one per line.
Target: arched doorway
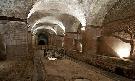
(42, 39)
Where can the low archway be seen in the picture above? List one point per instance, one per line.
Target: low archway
(42, 39)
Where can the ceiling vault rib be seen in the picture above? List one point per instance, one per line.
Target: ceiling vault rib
(12, 19)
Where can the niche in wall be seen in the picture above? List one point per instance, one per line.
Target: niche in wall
(3, 55)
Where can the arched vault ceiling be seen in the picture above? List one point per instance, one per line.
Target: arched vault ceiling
(60, 6)
(121, 10)
(93, 12)
(51, 20)
(36, 16)
(67, 22)
(42, 29)
(52, 27)
(70, 22)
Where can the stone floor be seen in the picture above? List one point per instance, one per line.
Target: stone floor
(64, 69)
(16, 70)
(68, 69)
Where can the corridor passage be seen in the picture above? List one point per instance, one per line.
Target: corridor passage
(67, 40)
(69, 69)
(63, 69)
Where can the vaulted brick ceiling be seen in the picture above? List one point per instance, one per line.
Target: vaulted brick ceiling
(87, 12)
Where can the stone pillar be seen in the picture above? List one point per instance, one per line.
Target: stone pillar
(68, 43)
(89, 40)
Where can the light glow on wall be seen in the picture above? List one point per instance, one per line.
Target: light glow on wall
(123, 52)
(81, 47)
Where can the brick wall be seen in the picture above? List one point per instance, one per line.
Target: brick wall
(15, 38)
(108, 46)
(16, 34)
(107, 49)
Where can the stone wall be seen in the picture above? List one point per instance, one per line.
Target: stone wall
(109, 46)
(16, 33)
(120, 26)
(103, 47)
(2, 49)
(15, 38)
(104, 57)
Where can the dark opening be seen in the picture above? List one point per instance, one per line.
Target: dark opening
(42, 39)
(119, 71)
(41, 42)
(2, 56)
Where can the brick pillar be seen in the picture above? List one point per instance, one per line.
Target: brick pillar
(68, 43)
(89, 40)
